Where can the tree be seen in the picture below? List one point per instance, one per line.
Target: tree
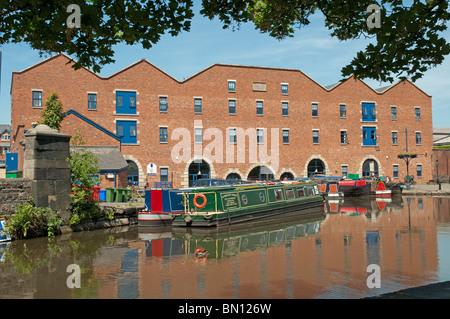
(52, 115)
(408, 41)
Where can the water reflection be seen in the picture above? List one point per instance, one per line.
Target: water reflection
(325, 256)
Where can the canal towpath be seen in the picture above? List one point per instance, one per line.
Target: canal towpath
(427, 190)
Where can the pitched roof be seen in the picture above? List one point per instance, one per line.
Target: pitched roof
(109, 157)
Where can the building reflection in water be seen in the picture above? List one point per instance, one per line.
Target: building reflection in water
(323, 257)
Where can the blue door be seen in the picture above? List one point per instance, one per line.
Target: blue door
(127, 130)
(368, 112)
(11, 162)
(369, 136)
(125, 102)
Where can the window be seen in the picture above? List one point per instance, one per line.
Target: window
(342, 111)
(164, 174)
(278, 194)
(92, 101)
(127, 130)
(125, 102)
(419, 170)
(343, 137)
(393, 113)
(163, 134)
(418, 138)
(395, 171)
(233, 139)
(315, 137)
(231, 86)
(368, 112)
(285, 136)
(163, 103)
(300, 192)
(6, 137)
(37, 98)
(284, 88)
(260, 136)
(344, 171)
(198, 135)
(259, 107)
(417, 113)
(198, 105)
(232, 107)
(369, 136)
(290, 193)
(394, 138)
(285, 108)
(315, 110)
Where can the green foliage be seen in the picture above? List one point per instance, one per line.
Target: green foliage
(29, 221)
(52, 115)
(442, 146)
(410, 40)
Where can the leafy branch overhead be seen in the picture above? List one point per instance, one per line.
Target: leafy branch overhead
(409, 41)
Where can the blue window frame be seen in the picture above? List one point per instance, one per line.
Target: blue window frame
(163, 103)
(127, 130)
(368, 112)
(393, 113)
(125, 102)
(419, 170)
(418, 138)
(231, 86)
(285, 136)
(92, 101)
(163, 134)
(395, 171)
(315, 110)
(259, 108)
(342, 111)
(198, 105)
(344, 171)
(315, 137)
(285, 108)
(37, 98)
(417, 113)
(164, 174)
(232, 107)
(233, 138)
(284, 89)
(344, 137)
(369, 136)
(394, 138)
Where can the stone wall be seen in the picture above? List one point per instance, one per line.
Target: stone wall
(13, 192)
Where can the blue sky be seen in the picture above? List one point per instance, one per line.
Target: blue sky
(311, 50)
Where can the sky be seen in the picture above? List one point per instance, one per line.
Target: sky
(311, 50)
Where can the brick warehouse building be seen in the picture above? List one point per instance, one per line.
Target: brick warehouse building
(223, 120)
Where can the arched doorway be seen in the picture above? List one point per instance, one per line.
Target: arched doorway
(260, 173)
(370, 168)
(287, 175)
(132, 174)
(233, 177)
(316, 167)
(198, 170)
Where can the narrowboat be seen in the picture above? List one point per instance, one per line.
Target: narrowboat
(161, 205)
(381, 190)
(330, 189)
(353, 188)
(226, 205)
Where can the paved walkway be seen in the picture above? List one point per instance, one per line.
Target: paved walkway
(428, 190)
(440, 290)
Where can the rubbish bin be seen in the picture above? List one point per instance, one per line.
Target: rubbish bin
(128, 193)
(14, 174)
(110, 194)
(118, 195)
(102, 195)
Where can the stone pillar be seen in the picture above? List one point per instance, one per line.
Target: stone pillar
(46, 151)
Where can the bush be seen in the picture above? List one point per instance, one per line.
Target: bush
(30, 221)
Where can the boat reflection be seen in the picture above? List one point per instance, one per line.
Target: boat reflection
(359, 206)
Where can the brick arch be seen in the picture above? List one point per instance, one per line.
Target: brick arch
(185, 176)
(372, 157)
(260, 164)
(315, 156)
(286, 170)
(142, 179)
(233, 170)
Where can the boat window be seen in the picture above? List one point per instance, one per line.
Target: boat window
(316, 190)
(300, 192)
(290, 193)
(310, 190)
(278, 194)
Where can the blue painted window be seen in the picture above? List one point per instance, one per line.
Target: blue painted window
(127, 130)
(233, 138)
(92, 101)
(315, 137)
(418, 138)
(395, 171)
(342, 111)
(285, 108)
(369, 136)
(284, 88)
(125, 102)
(315, 110)
(419, 170)
(344, 137)
(163, 103)
(394, 138)
(37, 98)
(393, 113)
(259, 108)
(344, 171)
(232, 107)
(417, 113)
(231, 86)
(164, 174)
(163, 134)
(285, 136)
(198, 105)
(368, 112)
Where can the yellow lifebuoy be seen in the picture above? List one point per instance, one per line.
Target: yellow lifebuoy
(195, 200)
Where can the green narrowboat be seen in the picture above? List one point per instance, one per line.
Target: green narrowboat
(225, 205)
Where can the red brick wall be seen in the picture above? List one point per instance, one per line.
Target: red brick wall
(211, 84)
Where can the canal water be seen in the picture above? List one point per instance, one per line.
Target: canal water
(407, 239)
